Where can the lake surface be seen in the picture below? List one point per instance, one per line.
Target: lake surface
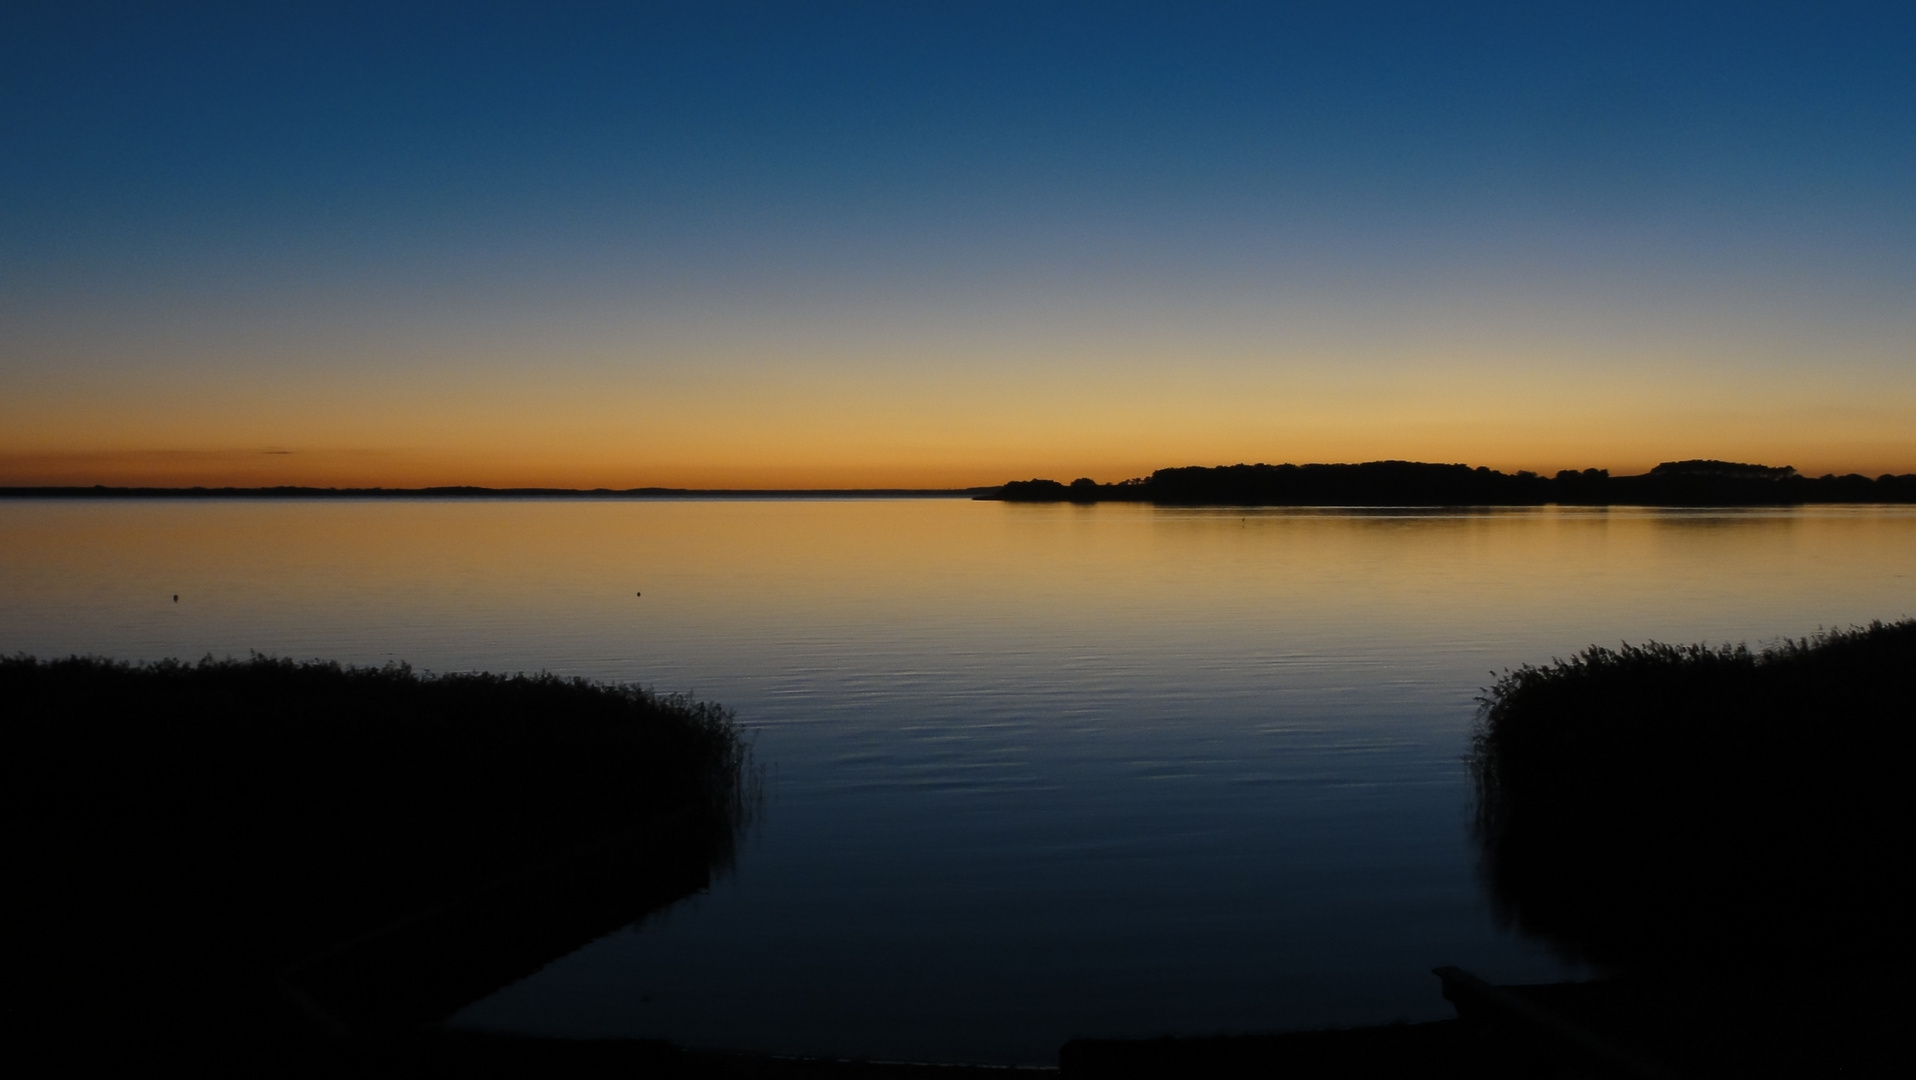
(1032, 771)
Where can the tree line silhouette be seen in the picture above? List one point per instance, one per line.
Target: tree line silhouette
(1414, 483)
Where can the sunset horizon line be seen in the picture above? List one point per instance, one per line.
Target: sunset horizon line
(28, 486)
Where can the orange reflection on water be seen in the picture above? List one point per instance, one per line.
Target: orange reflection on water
(519, 583)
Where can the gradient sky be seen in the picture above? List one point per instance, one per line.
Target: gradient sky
(948, 244)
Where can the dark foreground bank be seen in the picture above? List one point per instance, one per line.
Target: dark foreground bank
(301, 868)
(1675, 808)
(240, 857)
(1416, 483)
(1723, 833)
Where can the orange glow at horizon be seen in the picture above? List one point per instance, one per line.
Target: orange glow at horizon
(1105, 459)
(895, 412)
(959, 250)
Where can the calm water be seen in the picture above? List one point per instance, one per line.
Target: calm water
(1034, 771)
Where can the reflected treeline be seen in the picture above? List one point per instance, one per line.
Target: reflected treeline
(1411, 483)
(231, 852)
(1663, 808)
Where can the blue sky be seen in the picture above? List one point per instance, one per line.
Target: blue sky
(846, 243)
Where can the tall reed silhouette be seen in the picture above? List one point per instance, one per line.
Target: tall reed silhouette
(212, 847)
(1662, 807)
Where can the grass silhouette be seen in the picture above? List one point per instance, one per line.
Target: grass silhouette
(1665, 807)
(192, 829)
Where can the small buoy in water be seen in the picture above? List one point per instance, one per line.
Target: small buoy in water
(176, 598)
(634, 594)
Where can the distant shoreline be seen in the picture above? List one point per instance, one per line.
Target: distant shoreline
(1373, 484)
(469, 492)
(1691, 483)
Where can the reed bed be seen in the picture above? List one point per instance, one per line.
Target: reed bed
(191, 828)
(1682, 806)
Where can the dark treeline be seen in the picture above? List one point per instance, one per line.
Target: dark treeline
(221, 853)
(1662, 808)
(1410, 483)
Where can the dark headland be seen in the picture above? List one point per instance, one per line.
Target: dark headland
(1414, 483)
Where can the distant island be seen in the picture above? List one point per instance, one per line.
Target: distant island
(1414, 483)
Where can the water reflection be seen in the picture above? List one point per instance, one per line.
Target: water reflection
(1033, 771)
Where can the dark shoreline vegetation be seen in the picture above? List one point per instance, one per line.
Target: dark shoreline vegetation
(1722, 833)
(1412, 483)
(1675, 809)
(304, 868)
(241, 855)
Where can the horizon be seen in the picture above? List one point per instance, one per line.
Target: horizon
(758, 247)
(660, 490)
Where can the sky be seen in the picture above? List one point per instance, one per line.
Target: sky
(948, 244)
